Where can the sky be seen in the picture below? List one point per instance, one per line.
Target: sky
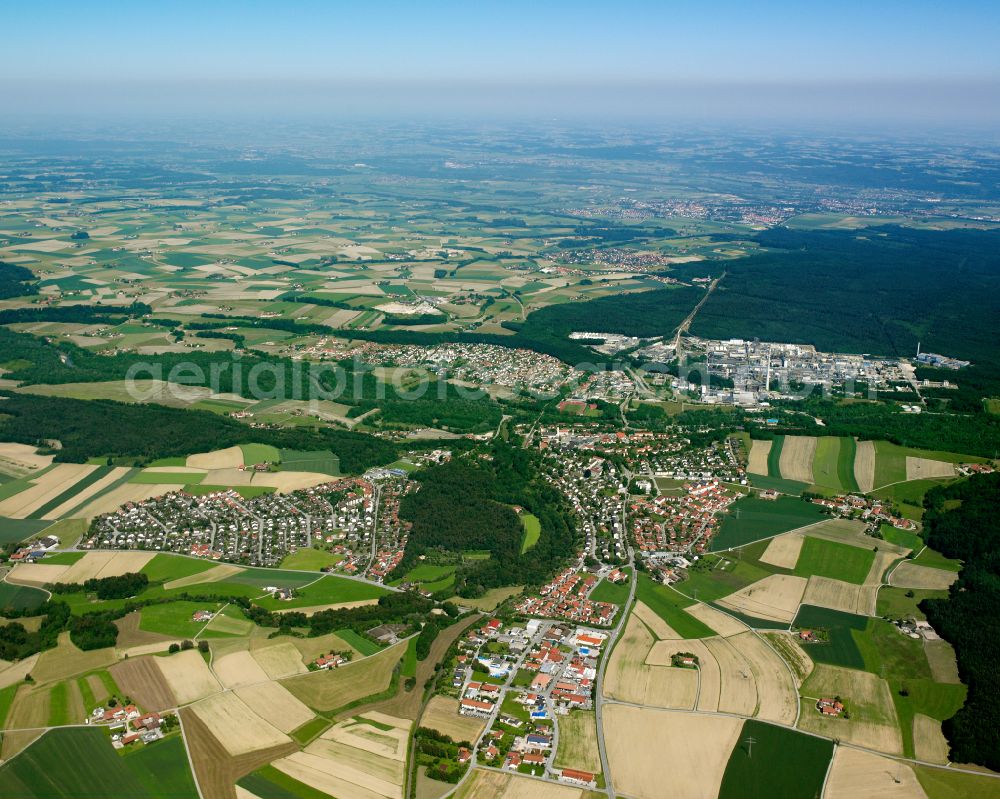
(915, 59)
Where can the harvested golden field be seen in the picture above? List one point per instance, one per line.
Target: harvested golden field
(496, 785)
(759, 450)
(924, 469)
(144, 682)
(655, 623)
(911, 575)
(279, 660)
(358, 733)
(127, 492)
(863, 775)
(95, 488)
(646, 745)
(16, 742)
(14, 672)
(275, 705)
(738, 686)
(236, 726)
(722, 623)
(578, 742)
(929, 742)
(334, 777)
(311, 609)
(188, 676)
(29, 709)
(775, 598)
(36, 574)
(792, 653)
(216, 573)
(216, 770)
(229, 458)
(329, 690)
(941, 658)
(783, 551)
(777, 698)
(67, 660)
(43, 489)
(849, 531)
(835, 594)
(290, 481)
(873, 722)
(105, 564)
(864, 466)
(629, 679)
(796, 462)
(238, 668)
(442, 715)
(709, 684)
(18, 460)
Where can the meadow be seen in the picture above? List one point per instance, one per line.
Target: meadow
(835, 560)
(532, 531)
(841, 649)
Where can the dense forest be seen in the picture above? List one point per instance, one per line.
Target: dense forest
(16, 281)
(467, 505)
(961, 523)
(138, 434)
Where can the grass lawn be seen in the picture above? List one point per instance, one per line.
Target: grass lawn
(153, 478)
(835, 560)
(310, 559)
(934, 559)
(774, 457)
(895, 603)
(941, 783)
(841, 649)
(174, 618)
(532, 531)
(259, 453)
(74, 762)
(669, 606)
(616, 593)
(751, 519)
(751, 772)
(362, 644)
(325, 591)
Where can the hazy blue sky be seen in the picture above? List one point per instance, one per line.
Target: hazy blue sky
(906, 54)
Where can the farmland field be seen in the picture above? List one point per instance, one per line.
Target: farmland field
(74, 762)
(578, 742)
(616, 593)
(774, 457)
(946, 784)
(835, 560)
(174, 618)
(751, 772)
(20, 597)
(841, 649)
(751, 519)
(363, 645)
(669, 606)
(321, 461)
(329, 690)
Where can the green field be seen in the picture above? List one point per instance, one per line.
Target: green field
(308, 731)
(269, 783)
(616, 593)
(890, 464)
(934, 559)
(177, 478)
(247, 492)
(165, 567)
(774, 457)
(63, 558)
(259, 453)
(20, 597)
(939, 783)
(751, 519)
(779, 484)
(174, 618)
(362, 644)
(320, 461)
(409, 667)
(902, 538)
(716, 576)
(532, 531)
(14, 530)
(835, 560)
(310, 559)
(826, 462)
(669, 606)
(751, 772)
(6, 700)
(79, 762)
(325, 591)
(841, 649)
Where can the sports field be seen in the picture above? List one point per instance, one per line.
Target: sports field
(751, 772)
